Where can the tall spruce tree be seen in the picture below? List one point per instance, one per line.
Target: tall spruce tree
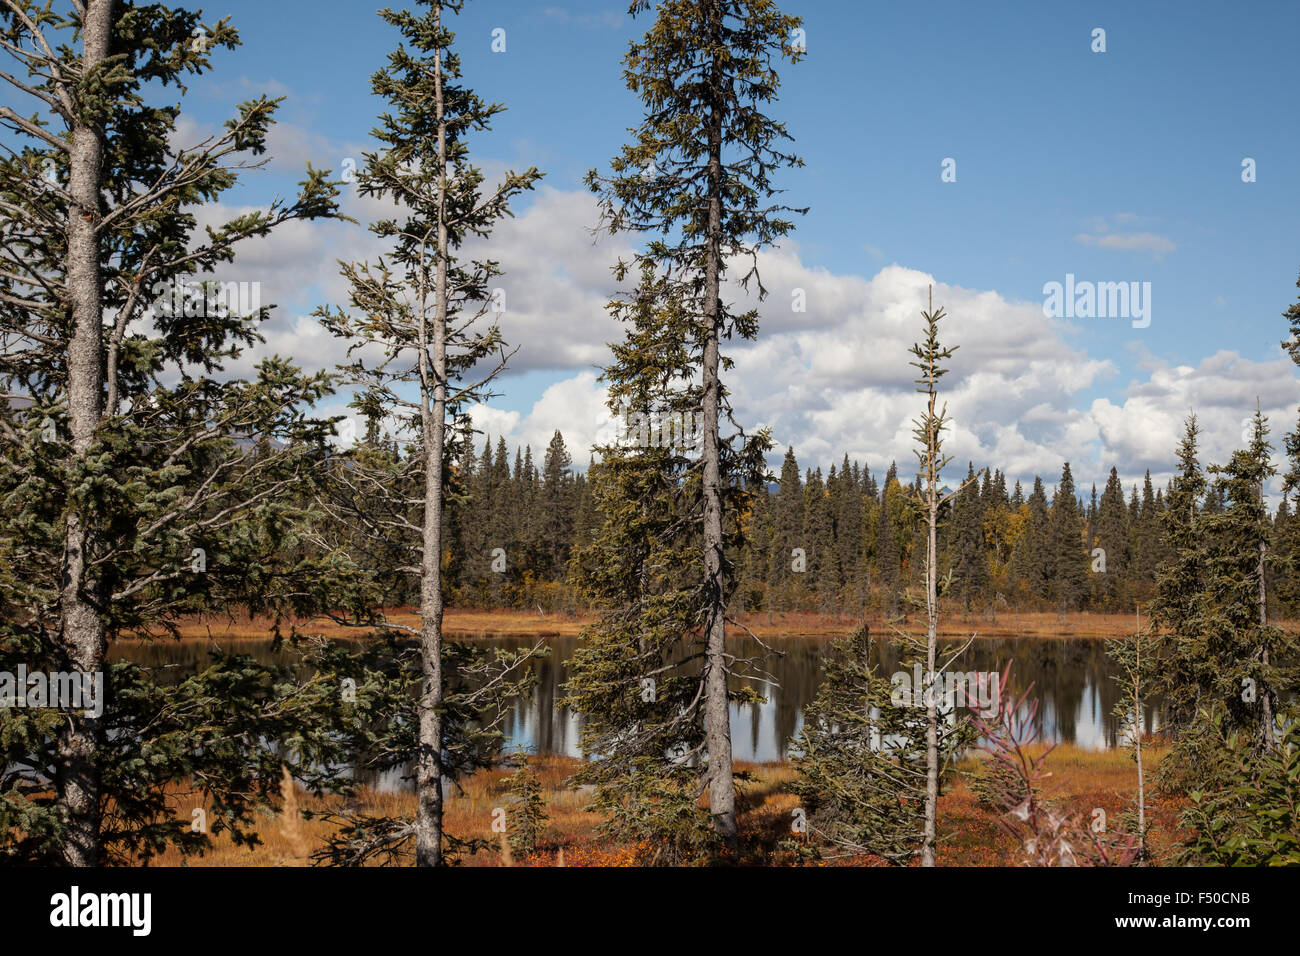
(784, 582)
(970, 569)
(1068, 583)
(1032, 561)
(140, 480)
(887, 556)
(416, 309)
(1222, 667)
(1179, 582)
(697, 177)
(1112, 536)
(1289, 530)
(1292, 315)
(819, 541)
(930, 355)
(639, 678)
(1256, 659)
(556, 498)
(759, 535)
(847, 507)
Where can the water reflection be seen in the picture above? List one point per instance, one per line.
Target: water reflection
(1072, 679)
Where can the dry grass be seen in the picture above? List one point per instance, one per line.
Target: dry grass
(501, 622)
(1082, 780)
(951, 625)
(288, 840)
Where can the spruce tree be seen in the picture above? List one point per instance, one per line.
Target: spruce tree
(527, 818)
(1068, 583)
(1112, 536)
(1179, 582)
(1148, 550)
(1284, 568)
(1292, 315)
(846, 505)
(639, 679)
(1033, 559)
(970, 569)
(416, 309)
(1223, 666)
(887, 557)
(861, 760)
(697, 178)
(141, 481)
(1289, 530)
(505, 514)
(928, 433)
(819, 541)
(555, 498)
(1133, 659)
(755, 552)
(787, 534)
(1255, 659)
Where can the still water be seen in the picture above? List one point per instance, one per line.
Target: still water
(1072, 678)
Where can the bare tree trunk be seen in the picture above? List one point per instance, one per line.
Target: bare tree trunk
(433, 406)
(717, 725)
(82, 637)
(931, 652)
(1137, 749)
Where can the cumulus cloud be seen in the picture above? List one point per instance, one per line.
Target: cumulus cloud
(574, 406)
(834, 379)
(1139, 430)
(829, 378)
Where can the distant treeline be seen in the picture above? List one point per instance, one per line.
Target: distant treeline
(844, 542)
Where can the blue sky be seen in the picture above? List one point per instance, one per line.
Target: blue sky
(1115, 166)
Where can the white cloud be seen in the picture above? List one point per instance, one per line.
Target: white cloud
(1102, 236)
(828, 380)
(575, 406)
(835, 379)
(1141, 430)
(1133, 242)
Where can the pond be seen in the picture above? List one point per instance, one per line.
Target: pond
(1072, 678)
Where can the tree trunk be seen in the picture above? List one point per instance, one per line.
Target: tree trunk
(433, 401)
(717, 726)
(1266, 740)
(82, 637)
(931, 654)
(1137, 749)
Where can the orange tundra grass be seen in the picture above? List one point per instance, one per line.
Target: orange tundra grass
(1081, 780)
(504, 622)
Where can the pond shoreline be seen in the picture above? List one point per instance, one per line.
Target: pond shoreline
(467, 622)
